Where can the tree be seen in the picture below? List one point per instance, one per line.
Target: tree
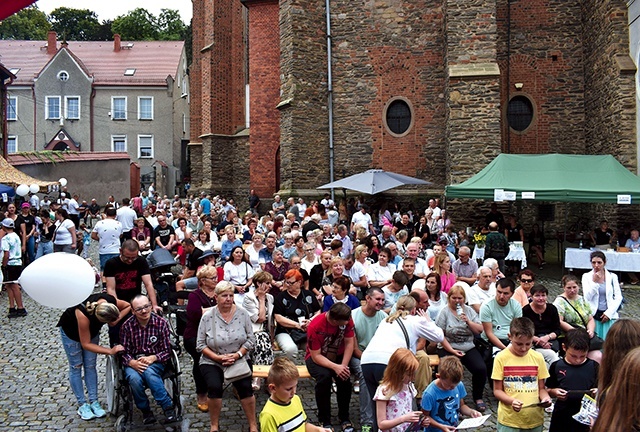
(138, 24)
(170, 26)
(75, 24)
(28, 24)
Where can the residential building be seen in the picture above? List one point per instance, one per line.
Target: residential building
(121, 97)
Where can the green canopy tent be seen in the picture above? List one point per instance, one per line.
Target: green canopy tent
(552, 177)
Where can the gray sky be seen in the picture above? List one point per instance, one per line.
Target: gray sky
(113, 8)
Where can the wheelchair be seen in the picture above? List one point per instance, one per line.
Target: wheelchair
(120, 403)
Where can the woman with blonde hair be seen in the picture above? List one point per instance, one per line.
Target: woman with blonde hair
(361, 254)
(461, 324)
(225, 337)
(442, 267)
(80, 332)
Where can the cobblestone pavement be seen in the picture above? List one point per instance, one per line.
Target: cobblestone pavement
(35, 393)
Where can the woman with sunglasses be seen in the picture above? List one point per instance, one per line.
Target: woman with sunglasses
(522, 294)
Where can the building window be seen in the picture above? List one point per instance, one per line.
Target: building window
(12, 144)
(520, 113)
(129, 72)
(53, 108)
(63, 76)
(118, 143)
(145, 146)
(145, 108)
(398, 116)
(72, 104)
(119, 108)
(12, 108)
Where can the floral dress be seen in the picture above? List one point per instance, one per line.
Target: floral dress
(569, 314)
(397, 405)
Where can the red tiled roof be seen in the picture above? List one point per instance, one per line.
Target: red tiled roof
(18, 160)
(152, 60)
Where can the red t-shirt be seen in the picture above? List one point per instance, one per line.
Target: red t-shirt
(327, 338)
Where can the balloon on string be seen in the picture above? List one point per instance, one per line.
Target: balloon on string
(22, 190)
(63, 182)
(34, 188)
(58, 280)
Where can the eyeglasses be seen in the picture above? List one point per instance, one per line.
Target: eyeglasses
(143, 308)
(526, 281)
(215, 279)
(295, 263)
(290, 282)
(308, 250)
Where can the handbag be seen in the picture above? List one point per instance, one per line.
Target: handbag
(297, 336)
(237, 371)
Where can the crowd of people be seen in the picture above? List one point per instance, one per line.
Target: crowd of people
(362, 301)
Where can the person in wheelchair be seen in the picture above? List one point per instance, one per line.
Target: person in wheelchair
(145, 338)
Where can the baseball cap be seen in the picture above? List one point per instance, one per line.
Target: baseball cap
(25, 205)
(8, 223)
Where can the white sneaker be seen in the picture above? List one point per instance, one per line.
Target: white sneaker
(356, 388)
(550, 408)
(85, 412)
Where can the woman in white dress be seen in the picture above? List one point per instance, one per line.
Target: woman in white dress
(240, 273)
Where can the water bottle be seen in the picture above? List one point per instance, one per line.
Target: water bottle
(580, 246)
(458, 309)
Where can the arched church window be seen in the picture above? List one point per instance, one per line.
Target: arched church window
(398, 116)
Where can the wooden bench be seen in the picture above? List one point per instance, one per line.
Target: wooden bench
(262, 371)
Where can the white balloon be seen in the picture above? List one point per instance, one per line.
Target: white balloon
(58, 280)
(22, 190)
(63, 182)
(34, 188)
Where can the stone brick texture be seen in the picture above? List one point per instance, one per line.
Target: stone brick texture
(563, 53)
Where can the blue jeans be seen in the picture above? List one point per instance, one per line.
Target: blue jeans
(106, 257)
(31, 249)
(44, 249)
(366, 403)
(152, 378)
(78, 359)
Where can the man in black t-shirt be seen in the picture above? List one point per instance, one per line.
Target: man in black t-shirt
(26, 229)
(404, 224)
(164, 234)
(125, 275)
(189, 281)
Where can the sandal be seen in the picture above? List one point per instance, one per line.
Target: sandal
(347, 427)
(481, 406)
(203, 407)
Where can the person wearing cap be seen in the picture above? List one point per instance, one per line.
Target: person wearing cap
(12, 267)
(26, 227)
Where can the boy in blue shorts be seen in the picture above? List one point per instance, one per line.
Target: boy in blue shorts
(443, 400)
(518, 381)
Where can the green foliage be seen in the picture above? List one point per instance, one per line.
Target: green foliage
(138, 24)
(75, 24)
(170, 26)
(28, 24)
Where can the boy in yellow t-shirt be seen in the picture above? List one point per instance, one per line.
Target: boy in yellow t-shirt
(518, 379)
(283, 412)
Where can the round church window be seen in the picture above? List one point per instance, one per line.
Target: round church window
(520, 113)
(398, 116)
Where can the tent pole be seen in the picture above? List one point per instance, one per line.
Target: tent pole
(564, 240)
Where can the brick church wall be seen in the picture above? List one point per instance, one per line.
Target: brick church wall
(540, 47)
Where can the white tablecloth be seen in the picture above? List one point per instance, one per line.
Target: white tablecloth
(617, 261)
(478, 253)
(515, 254)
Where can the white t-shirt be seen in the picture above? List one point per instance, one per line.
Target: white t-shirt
(126, 216)
(476, 295)
(421, 267)
(73, 207)
(109, 231)
(378, 273)
(63, 236)
(356, 271)
(363, 219)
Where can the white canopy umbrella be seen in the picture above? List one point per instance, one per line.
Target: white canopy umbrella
(373, 181)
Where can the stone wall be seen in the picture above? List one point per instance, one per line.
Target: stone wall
(609, 77)
(304, 139)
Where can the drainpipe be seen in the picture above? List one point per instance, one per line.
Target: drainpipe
(508, 73)
(35, 117)
(330, 95)
(91, 115)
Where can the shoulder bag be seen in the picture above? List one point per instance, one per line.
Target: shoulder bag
(238, 370)
(596, 342)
